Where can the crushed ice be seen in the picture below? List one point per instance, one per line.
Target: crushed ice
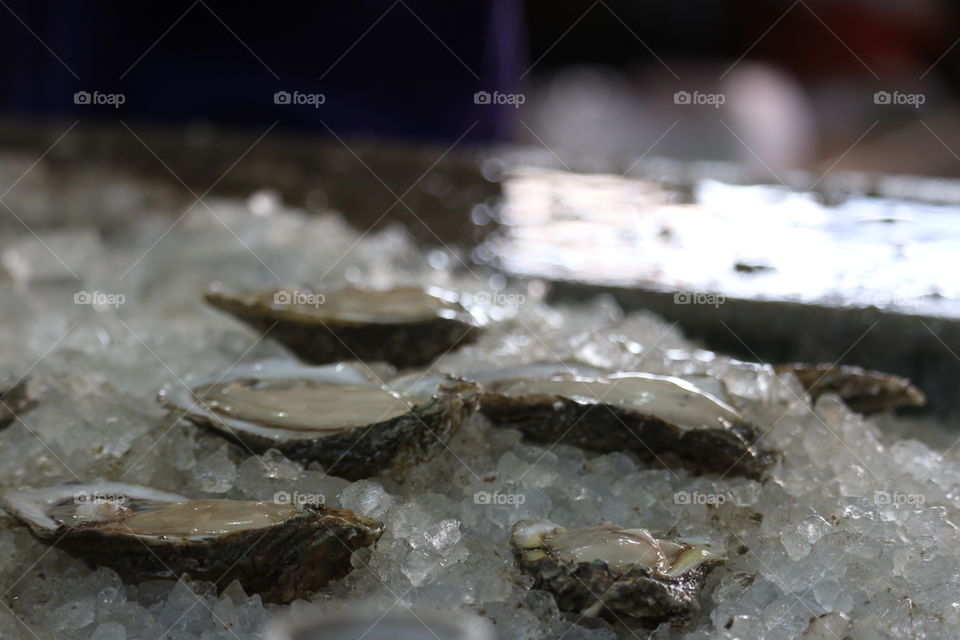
(853, 537)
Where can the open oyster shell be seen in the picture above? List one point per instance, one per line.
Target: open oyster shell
(14, 400)
(661, 418)
(863, 390)
(606, 570)
(335, 415)
(280, 551)
(405, 326)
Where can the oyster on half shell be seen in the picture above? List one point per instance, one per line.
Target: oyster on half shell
(863, 390)
(280, 551)
(14, 400)
(336, 415)
(405, 326)
(662, 418)
(606, 570)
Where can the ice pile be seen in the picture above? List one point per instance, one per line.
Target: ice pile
(853, 536)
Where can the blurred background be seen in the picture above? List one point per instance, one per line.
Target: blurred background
(850, 84)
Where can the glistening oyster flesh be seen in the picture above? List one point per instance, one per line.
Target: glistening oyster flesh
(405, 326)
(655, 417)
(280, 551)
(335, 415)
(606, 570)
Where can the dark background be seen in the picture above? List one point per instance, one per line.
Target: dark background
(596, 77)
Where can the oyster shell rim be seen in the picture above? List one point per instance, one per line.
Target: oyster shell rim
(552, 417)
(438, 418)
(182, 398)
(310, 548)
(250, 300)
(638, 588)
(319, 340)
(45, 526)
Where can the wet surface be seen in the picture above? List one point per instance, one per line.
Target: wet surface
(752, 242)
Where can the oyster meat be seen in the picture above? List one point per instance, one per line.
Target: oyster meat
(336, 415)
(863, 390)
(405, 326)
(605, 570)
(14, 400)
(281, 551)
(660, 418)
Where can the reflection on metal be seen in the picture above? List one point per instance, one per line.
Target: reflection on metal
(753, 242)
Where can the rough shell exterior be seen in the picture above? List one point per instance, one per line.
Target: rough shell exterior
(863, 390)
(593, 588)
(394, 445)
(319, 341)
(281, 562)
(606, 428)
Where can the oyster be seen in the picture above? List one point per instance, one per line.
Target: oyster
(335, 415)
(14, 400)
(863, 390)
(605, 570)
(656, 417)
(280, 551)
(404, 326)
